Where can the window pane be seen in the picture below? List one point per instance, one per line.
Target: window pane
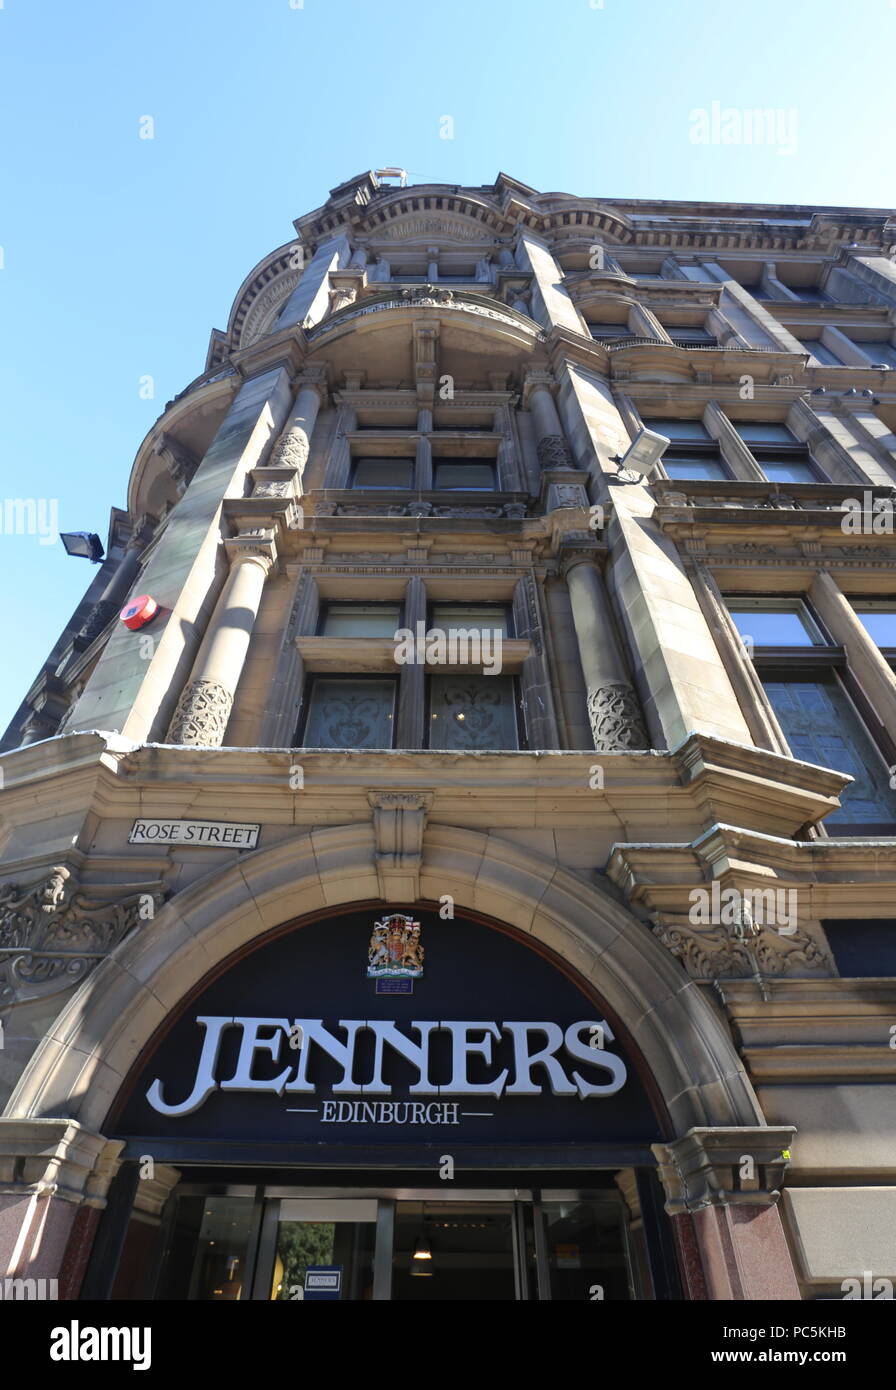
(447, 615)
(350, 714)
(781, 471)
(754, 432)
(821, 727)
(680, 429)
(383, 472)
(361, 620)
(472, 712)
(775, 627)
(880, 350)
(478, 477)
(822, 353)
(880, 625)
(695, 468)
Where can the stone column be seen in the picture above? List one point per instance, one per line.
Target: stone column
(722, 1187)
(54, 1176)
(538, 398)
(614, 711)
(294, 445)
(206, 701)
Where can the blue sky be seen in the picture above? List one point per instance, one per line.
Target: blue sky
(120, 254)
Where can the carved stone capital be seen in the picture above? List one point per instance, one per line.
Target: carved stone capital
(399, 819)
(737, 1166)
(56, 1158)
(536, 381)
(200, 719)
(257, 546)
(743, 950)
(53, 933)
(617, 724)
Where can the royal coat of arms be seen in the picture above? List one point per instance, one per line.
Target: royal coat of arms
(395, 952)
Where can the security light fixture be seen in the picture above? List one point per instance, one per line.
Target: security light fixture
(85, 544)
(641, 457)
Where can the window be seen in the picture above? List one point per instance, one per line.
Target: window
(383, 472)
(609, 332)
(766, 623)
(693, 454)
(821, 726)
(350, 712)
(819, 706)
(469, 713)
(360, 619)
(494, 617)
(781, 456)
(878, 618)
(463, 475)
(821, 353)
(863, 949)
(691, 337)
(879, 351)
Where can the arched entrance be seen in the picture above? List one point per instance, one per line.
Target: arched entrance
(597, 966)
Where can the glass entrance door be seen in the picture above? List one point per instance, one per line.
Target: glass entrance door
(302, 1246)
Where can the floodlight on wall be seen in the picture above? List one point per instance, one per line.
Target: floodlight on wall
(641, 457)
(85, 544)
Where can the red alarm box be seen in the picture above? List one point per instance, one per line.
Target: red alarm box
(139, 611)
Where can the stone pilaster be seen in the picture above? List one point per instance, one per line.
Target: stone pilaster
(310, 300)
(725, 1184)
(50, 1171)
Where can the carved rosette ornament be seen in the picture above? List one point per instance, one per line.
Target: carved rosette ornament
(200, 720)
(616, 721)
(553, 452)
(52, 933)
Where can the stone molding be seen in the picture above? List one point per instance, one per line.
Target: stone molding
(56, 1158)
(53, 933)
(399, 820)
(201, 715)
(704, 1168)
(617, 723)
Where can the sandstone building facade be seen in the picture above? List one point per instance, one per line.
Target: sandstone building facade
(277, 905)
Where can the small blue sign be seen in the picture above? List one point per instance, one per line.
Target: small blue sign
(323, 1281)
(395, 987)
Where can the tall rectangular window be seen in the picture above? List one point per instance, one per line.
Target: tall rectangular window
(350, 712)
(473, 713)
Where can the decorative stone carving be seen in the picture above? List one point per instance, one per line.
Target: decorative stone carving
(399, 819)
(745, 951)
(200, 719)
(427, 295)
(516, 511)
(291, 450)
(52, 934)
(99, 619)
(705, 1167)
(616, 720)
(553, 452)
(272, 490)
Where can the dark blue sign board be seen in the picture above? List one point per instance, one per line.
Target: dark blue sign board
(353, 1092)
(323, 1281)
